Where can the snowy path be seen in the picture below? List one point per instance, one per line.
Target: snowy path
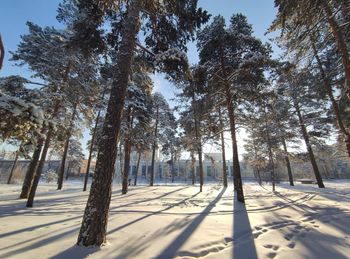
(178, 221)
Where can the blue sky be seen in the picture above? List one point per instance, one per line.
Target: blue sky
(15, 13)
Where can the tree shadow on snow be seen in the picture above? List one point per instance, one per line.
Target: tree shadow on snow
(171, 250)
(243, 240)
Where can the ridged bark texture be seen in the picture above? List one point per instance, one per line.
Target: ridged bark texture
(94, 224)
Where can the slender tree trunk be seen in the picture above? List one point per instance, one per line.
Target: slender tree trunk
(308, 146)
(286, 157)
(193, 161)
(39, 170)
(68, 168)
(231, 113)
(2, 53)
(198, 141)
(172, 163)
(28, 179)
(65, 151)
(154, 148)
(13, 167)
(127, 151)
(91, 150)
(94, 224)
(137, 167)
(256, 166)
(224, 170)
(272, 165)
(335, 106)
(340, 42)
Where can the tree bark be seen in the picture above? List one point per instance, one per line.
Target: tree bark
(193, 161)
(28, 179)
(335, 106)
(172, 162)
(224, 170)
(39, 170)
(154, 146)
(65, 151)
(91, 150)
(68, 169)
(286, 157)
(94, 224)
(340, 43)
(13, 167)
(2, 53)
(198, 142)
(231, 113)
(127, 151)
(272, 165)
(308, 146)
(137, 167)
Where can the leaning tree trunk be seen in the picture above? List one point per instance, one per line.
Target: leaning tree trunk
(154, 146)
(137, 167)
(308, 146)
(28, 179)
(193, 161)
(224, 170)
(2, 53)
(39, 170)
(340, 43)
(94, 224)
(286, 157)
(13, 166)
(231, 113)
(198, 142)
(335, 106)
(65, 151)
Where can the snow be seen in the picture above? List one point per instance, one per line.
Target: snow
(178, 221)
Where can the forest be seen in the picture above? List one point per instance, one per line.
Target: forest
(95, 73)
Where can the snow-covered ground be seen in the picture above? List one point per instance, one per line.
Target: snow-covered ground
(178, 221)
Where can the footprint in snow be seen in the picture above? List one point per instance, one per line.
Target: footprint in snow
(291, 245)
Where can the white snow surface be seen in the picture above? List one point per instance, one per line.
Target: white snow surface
(179, 222)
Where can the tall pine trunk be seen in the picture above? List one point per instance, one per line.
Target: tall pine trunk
(94, 224)
(127, 152)
(65, 151)
(308, 146)
(232, 118)
(39, 170)
(68, 169)
(137, 167)
(28, 179)
(269, 145)
(224, 170)
(154, 146)
(90, 151)
(198, 141)
(286, 157)
(193, 161)
(340, 43)
(172, 162)
(335, 106)
(13, 166)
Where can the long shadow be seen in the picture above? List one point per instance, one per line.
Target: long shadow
(148, 200)
(80, 252)
(243, 246)
(152, 214)
(171, 250)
